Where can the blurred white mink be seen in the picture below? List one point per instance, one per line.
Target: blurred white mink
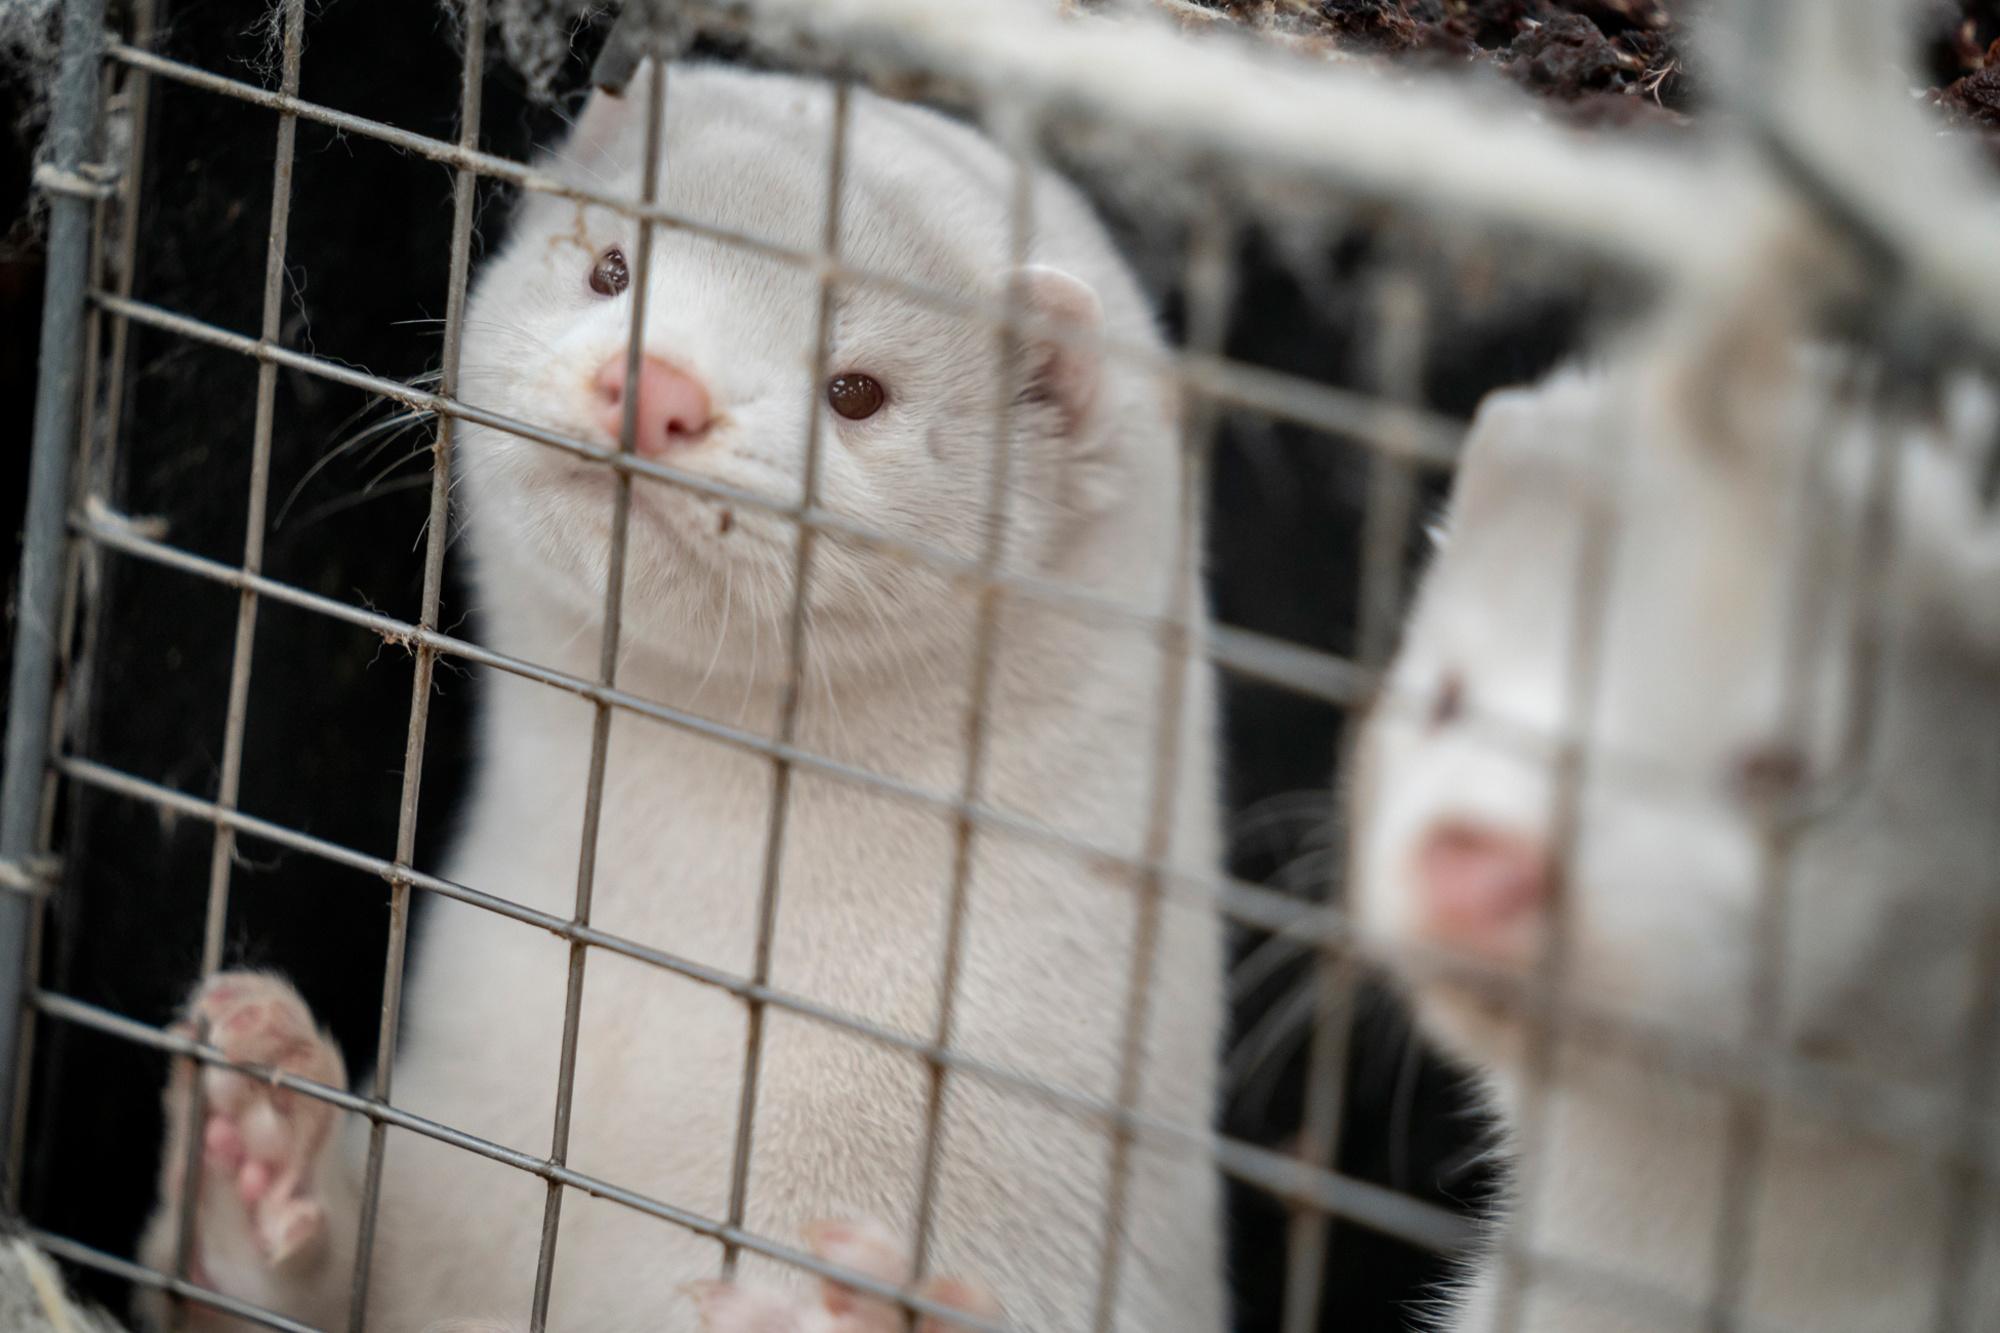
(1729, 475)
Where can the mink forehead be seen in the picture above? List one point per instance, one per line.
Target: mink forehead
(922, 198)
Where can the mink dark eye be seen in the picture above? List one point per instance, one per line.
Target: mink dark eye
(610, 276)
(855, 396)
(1448, 704)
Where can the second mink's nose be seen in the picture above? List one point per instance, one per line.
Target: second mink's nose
(672, 410)
(1479, 884)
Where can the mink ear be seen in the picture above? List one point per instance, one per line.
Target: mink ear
(1508, 425)
(607, 117)
(1064, 371)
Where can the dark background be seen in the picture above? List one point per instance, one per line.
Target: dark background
(369, 238)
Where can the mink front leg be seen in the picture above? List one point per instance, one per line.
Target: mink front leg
(276, 1202)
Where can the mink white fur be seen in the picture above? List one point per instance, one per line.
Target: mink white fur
(1092, 502)
(1728, 478)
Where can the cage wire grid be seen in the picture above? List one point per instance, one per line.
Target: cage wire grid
(1021, 84)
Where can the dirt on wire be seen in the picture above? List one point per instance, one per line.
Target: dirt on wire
(1616, 61)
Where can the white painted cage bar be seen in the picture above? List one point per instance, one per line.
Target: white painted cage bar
(1027, 72)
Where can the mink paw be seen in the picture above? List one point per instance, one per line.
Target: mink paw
(260, 1144)
(860, 1247)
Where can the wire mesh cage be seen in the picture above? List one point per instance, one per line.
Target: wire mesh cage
(1345, 266)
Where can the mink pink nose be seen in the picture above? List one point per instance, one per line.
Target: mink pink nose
(672, 409)
(1478, 884)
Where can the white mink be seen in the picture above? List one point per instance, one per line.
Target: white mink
(1731, 478)
(1092, 501)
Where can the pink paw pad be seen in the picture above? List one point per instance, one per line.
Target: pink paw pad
(222, 1145)
(860, 1247)
(264, 1141)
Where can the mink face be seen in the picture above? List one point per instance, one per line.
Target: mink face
(1636, 691)
(904, 399)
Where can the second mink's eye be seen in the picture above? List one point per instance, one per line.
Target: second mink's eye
(610, 276)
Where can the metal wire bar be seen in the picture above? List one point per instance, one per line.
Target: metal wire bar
(75, 1252)
(1210, 290)
(37, 888)
(98, 443)
(1746, 1132)
(1336, 976)
(1392, 488)
(1399, 342)
(1633, 1296)
(35, 898)
(607, 673)
(1303, 671)
(34, 883)
(222, 852)
(1426, 140)
(40, 888)
(1575, 764)
(1018, 140)
(437, 534)
(72, 129)
(1283, 397)
(1279, 115)
(658, 28)
(1808, 601)
(795, 663)
(1319, 674)
(1968, 1193)
(131, 180)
